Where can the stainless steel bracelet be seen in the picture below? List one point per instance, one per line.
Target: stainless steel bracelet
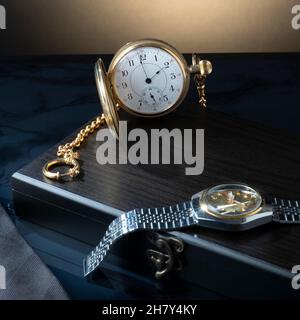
(169, 218)
(286, 211)
(164, 218)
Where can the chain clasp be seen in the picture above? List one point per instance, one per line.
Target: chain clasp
(69, 160)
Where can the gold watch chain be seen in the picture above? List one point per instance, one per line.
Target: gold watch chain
(200, 85)
(67, 155)
(201, 69)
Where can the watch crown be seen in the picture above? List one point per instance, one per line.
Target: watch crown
(203, 67)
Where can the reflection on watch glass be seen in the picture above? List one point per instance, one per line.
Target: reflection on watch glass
(232, 200)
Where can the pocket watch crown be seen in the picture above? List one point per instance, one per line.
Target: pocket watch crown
(205, 67)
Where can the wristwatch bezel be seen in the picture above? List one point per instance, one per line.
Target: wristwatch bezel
(203, 207)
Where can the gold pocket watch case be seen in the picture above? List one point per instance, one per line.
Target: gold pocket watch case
(147, 78)
(151, 50)
(106, 99)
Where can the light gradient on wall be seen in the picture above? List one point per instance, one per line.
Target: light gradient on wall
(102, 26)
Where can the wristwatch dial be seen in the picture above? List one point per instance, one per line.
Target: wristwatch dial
(149, 78)
(231, 201)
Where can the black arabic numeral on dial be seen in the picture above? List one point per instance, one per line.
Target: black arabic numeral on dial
(173, 77)
(124, 85)
(130, 96)
(166, 98)
(166, 64)
(172, 88)
(124, 73)
(131, 63)
(143, 57)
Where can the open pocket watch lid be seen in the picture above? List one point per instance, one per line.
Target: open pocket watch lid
(107, 99)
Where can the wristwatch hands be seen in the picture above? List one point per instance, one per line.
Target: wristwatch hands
(224, 206)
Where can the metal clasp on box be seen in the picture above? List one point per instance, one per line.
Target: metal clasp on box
(166, 256)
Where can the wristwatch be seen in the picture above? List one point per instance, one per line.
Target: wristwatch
(231, 207)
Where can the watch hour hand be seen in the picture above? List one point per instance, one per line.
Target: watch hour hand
(225, 206)
(241, 203)
(157, 72)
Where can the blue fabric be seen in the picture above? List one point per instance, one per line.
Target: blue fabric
(26, 276)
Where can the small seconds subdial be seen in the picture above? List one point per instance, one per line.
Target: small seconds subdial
(148, 80)
(152, 96)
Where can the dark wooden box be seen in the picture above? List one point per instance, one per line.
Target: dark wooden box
(253, 264)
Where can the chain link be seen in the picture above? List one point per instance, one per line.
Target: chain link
(67, 155)
(200, 85)
(201, 69)
(67, 150)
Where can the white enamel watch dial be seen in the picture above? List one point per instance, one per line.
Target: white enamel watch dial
(149, 77)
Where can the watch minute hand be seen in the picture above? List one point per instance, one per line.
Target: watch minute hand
(143, 68)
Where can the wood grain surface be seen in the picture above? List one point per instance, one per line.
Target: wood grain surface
(235, 150)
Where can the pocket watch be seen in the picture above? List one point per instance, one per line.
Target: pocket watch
(229, 207)
(147, 78)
